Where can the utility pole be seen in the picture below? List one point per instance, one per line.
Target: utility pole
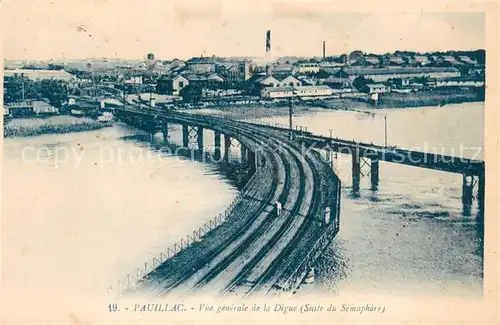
(290, 117)
(385, 123)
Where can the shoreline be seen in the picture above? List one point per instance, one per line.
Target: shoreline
(26, 127)
(250, 112)
(423, 98)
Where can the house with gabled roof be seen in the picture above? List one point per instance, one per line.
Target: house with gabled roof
(287, 80)
(172, 84)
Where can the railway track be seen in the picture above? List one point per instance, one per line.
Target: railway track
(265, 282)
(253, 256)
(166, 282)
(260, 241)
(261, 279)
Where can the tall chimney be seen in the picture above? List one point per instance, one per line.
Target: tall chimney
(324, 50)
(268, 43)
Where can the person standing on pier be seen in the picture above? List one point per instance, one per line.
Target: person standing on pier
(278, 208)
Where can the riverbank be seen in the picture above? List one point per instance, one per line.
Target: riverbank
(431, 97)
(422, 98)
(434, 97)
(24, 127)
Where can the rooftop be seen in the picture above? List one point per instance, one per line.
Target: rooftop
(39, 73)
(312, 87)
(396, 70)
(201, 60)
(276, 89)
(375, 85)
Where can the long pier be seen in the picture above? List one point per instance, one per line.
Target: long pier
(257, 250)
(369, 154)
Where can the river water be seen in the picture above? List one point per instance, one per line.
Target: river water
(411, 236)
(115, 192)
(85, 209)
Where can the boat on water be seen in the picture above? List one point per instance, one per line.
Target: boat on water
(105, 117)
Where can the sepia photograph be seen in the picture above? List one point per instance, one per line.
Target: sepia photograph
(178, 162)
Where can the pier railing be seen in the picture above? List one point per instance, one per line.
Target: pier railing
(135, 277)
(297, 272)
(260, 122)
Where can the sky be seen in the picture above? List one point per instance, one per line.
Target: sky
(131, 29)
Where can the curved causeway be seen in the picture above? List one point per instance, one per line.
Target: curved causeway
(255, 251)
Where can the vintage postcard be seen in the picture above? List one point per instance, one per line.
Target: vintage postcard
(193, 162)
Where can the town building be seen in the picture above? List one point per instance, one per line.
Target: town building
(373, 60)
(307, 67)
(174, 66)
(420, 60)
(391, 60)
(326, 65)
(282, 68)
(299, 91)
(460, 82)
(201, 65)
(208, 93)
(19, 109)
(384, 74)
(338, 83)
(234, 71)
(276, 92)
(171, 85)
(29, 107)
(41, 107)
(136, 80)
(203, 80)
(377, 88)
(278, 81)
(313, 91)
(268, 81)
(288, 81)
(41, 74)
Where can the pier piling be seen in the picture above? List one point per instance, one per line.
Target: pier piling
(243, 152)
(217, 145)
(227, 147)
(252, 160)
(199, 136)
(164, 131)
(356, 170)
(185, 135)
(374, 173)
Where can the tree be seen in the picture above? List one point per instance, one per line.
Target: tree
(356, 55)
(360, 82)
(56, 91)
(19, 88)
(191, 93)
(341, 59)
